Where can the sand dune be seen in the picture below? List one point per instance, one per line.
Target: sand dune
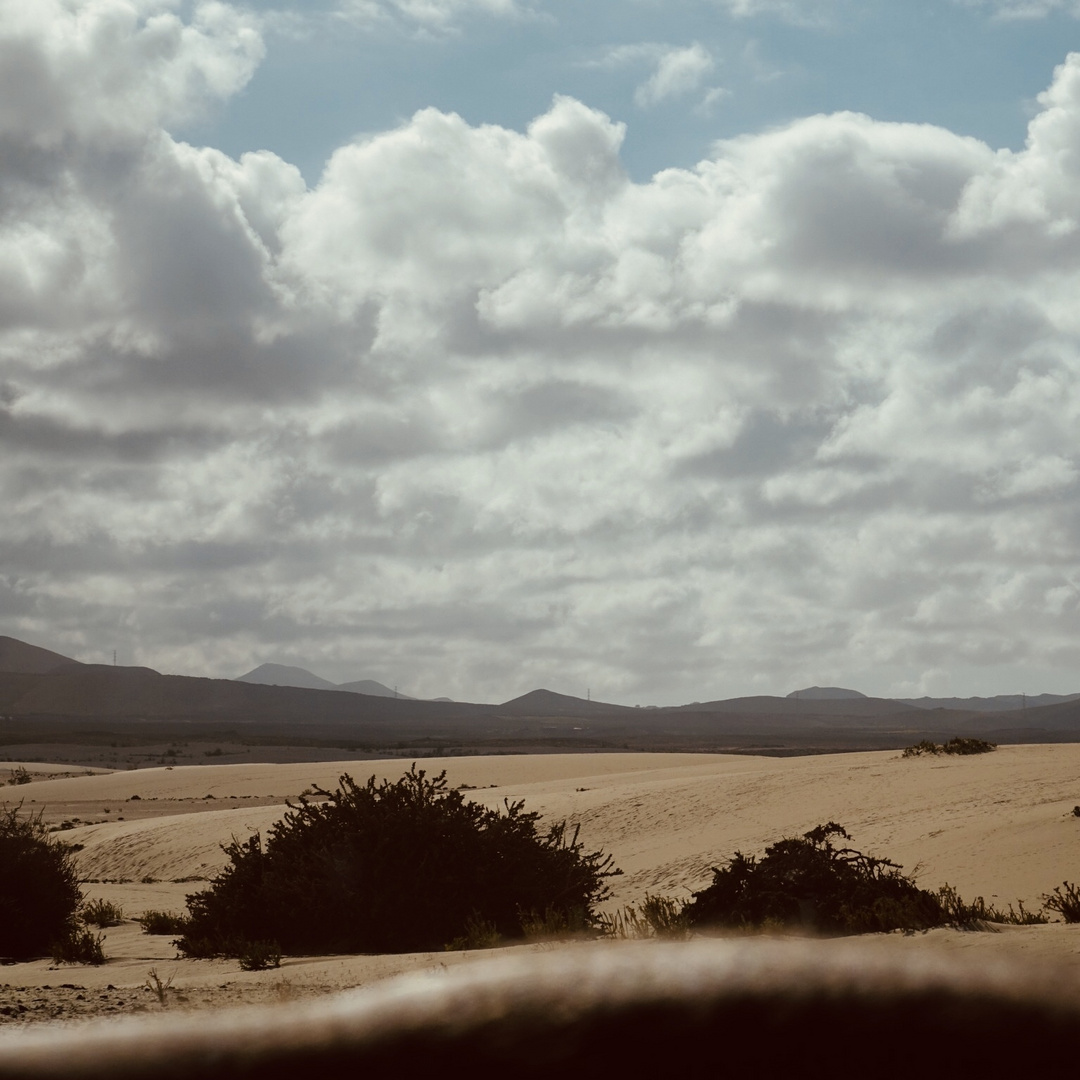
(997, 825)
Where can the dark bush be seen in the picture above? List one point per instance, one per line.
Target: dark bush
(957, 745)
(260, 955)
(162, 922)
(483, 935)
(922, 748)
(392, 867)
(968, 746)
(78, 946)
(808, 882)
(39, 887)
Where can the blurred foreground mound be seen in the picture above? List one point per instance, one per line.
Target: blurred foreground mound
(748, 1007)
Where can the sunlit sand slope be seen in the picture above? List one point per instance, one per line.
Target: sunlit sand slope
(998, 825)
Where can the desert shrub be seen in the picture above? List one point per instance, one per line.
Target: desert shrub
(921, 748)
(666, 917)
(162, 922)
(968, 746)
(158, 987)
(1023, 917)
(956, 745)
(392, 867)
(101, 913)
(979, 915)
(78, 946)
(39, 887)
(260, 955)
(1065, 900)
(480, 934)
(809, 882)
(655, 917)
(20, 775)
(559, 924)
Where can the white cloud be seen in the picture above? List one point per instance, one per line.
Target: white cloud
(117, 64)
(1023, 9)
(478, 403)
(678, 72)
(435, 15)
(804, 12)
(443, 14)
(712, 98)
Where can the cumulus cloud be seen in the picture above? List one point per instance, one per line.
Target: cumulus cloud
(112, 65)
(478, 412)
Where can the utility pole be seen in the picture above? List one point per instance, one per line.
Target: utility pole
(114, 658)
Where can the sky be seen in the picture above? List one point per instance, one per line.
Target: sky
(662, 351)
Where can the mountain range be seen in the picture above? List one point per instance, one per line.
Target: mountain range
(45, 694)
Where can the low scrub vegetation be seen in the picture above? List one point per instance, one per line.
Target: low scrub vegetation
(557, 924)
(101, 913)
(979, 915)
(162, 922)
(78, 946)
(394, 867)
(962, 747)
(158, 987)
(808, 881)
(479, 934)
(39, 887)
(654, 917)
(259, 955)
(1065, 900)
(816, 883)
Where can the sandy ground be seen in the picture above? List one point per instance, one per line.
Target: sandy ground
(998, 825)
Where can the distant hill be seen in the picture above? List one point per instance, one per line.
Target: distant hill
(372, 688)
(825, 693)
(548, 703)
(793, 707)
(18, 658)
(284, 675)
(1001, 703)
